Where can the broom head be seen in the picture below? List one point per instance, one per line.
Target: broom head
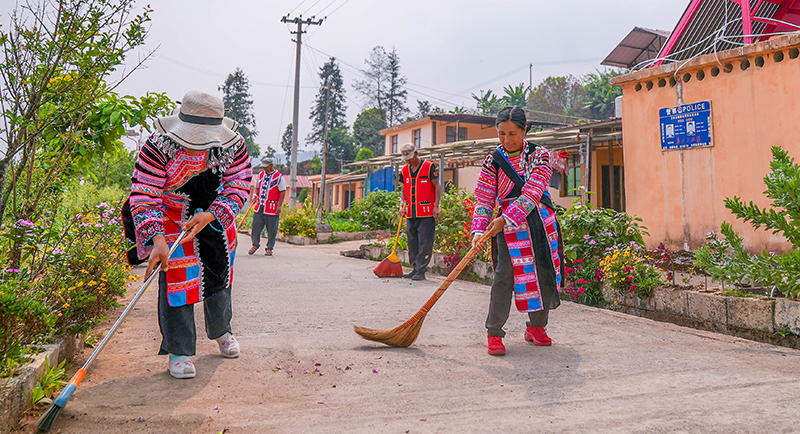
(49, 417)
(389, 267)
(400, 336)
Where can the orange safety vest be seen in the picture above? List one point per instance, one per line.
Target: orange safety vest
(268, 194)
(418, 191)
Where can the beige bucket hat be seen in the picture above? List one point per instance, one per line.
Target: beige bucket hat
(200, 123)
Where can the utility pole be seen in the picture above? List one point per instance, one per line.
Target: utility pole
(530, 77)
(322, 190)
(296, 112)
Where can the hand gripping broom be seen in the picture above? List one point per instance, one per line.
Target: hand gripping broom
(391, 266)
(406, 333)
(47, 419)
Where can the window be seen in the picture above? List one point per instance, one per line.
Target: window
(573, 176)
(417, 134)
(394, 144)
(451, 134)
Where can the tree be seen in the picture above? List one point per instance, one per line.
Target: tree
(558, 99)
(286, 142)
(59, 113)
(373, 86)
(239, 102)
(396, 96)
(366, 127)
(337, 110)
(270, 152)
(423, 109)
(515, 95)
(364, 154)
(341, 149)
(488, 103)
(383, 85)
(600, 93)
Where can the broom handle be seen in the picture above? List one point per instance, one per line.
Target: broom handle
(132, 303)
(399, 225)
(245, 214)
(446, 284)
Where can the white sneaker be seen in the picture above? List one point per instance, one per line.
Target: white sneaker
(181, 367)
(228, 346)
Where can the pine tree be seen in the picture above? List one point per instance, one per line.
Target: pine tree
(286, 142)
(396, 94)
(337, 110)
(239, 102)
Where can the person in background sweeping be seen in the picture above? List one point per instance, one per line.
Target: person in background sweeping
(266, 194)
(527, 252)
(420, 196)
(192, 174)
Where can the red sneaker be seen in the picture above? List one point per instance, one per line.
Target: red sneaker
(538, 336)
(496, 347)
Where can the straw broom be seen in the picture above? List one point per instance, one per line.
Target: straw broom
(406, 333)
(391, 266)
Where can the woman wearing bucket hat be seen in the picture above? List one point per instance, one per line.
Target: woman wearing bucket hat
(193, 174)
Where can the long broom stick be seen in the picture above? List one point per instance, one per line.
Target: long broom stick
(406, 333)
(47, 419)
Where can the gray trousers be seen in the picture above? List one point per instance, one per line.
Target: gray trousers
(420, 233)
(503, 292)
(178, 331)
(260, 221)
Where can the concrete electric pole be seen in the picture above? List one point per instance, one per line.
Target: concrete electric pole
(296, 112)
(322, 190)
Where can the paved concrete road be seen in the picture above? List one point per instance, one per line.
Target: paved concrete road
(607, 372)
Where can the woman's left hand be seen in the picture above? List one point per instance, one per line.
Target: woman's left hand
(196, 224)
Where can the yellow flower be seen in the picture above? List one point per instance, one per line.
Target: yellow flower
(92, 283)
(91, 256)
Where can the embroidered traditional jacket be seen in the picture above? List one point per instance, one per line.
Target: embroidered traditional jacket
(531, 228)
(169, 186)
(269, 195)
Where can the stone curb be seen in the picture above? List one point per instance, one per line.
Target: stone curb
(16, 391)
(755, 318)
(477, 271)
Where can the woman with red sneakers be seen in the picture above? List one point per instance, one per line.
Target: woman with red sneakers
(527, 252)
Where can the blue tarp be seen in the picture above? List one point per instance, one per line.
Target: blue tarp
(382, 180)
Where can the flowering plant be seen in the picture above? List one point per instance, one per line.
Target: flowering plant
(59, 280)
(625, 269)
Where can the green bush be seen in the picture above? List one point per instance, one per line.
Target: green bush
(299, 221)
(61, 280)
(727, 258)
(379, 210)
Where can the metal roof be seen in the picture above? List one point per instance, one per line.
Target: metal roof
(469, 152)
(709, 26)
(640, 45)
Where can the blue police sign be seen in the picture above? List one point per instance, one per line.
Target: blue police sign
(686, 126)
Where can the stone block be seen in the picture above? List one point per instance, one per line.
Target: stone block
(787, 315)
(668, 300)
(484, 270)
(644, 303)
(751, 313)
(712, 308)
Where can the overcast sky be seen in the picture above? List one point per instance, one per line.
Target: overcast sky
(448, 49)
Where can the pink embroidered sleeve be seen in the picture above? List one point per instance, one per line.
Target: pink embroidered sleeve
(148, 180)
(538, 178)
(485, 197)
(235, 189)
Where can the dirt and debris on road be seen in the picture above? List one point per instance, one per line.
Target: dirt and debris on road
(302, 369)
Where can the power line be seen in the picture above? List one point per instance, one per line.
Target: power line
(315, 3)
(295, 8)
(340, 6)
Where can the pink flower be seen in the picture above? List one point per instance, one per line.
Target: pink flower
(592, 242)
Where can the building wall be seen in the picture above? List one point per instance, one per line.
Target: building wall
(679, 194)
(404, 134)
